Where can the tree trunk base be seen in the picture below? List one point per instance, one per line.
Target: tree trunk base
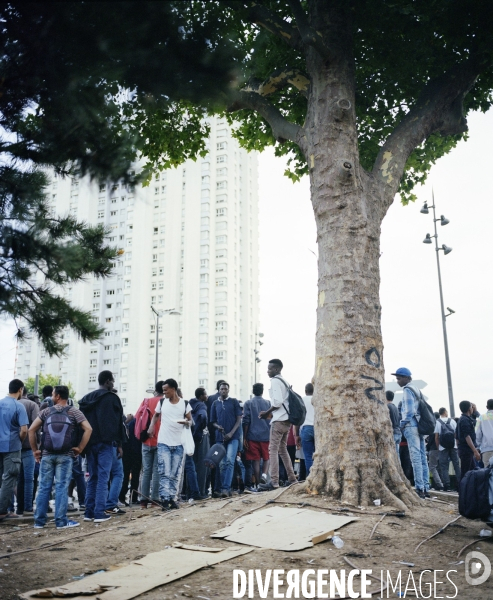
(361, 481)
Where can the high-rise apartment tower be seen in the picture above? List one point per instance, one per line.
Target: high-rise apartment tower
(190, 242)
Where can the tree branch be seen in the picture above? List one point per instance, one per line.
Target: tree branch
(437, 110)
(263, 17)
(282, 129)
(309, 36)
(278, 80)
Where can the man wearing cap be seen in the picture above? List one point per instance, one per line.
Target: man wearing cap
(409, 425)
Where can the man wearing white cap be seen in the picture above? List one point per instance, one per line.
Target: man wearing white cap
(409, 424)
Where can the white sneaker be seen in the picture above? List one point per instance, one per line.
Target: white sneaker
(263, 477)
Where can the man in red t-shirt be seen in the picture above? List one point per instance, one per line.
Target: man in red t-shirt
(149, 455)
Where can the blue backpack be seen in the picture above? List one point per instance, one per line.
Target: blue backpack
(58, 431)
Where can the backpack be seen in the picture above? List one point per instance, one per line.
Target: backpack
(58, 431)
(474, 501)
(297, 409)
(447, 435)
(214, 456)
(427, 421)
(143, 420)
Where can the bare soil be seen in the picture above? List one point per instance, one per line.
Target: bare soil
(140, 532)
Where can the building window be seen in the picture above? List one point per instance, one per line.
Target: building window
(204, 278)
(154, 258)
(100, 214)
(110, 292)
(95, 306)
(220, 212)
(152, 344)
(221, 185)
(92, 378)
(221, 146)
(96, 293)
(220, 325)
(113, 213)
(221, 282)
(222, 172)
(203, 322)
(221, 239)
(107, 347)
(220, 370)
(222, 158)
(107, 361)
(221, 355)
(125, 342)
(93, 363)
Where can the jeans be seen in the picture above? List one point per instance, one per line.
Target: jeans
(80, 481)
(278, 448)
(417, 452)
(149, 470)
(308, 445)
(10, 465)
(58, 467)
(446, 455)
(25, 483)
(435, 464)
(116, 478)
(99, 462)
(397, 440)
(227, 465)
(193, 486)
(169, 463)
(202, 471)
(132, 463)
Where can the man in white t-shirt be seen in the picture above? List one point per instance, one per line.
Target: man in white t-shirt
(307, 438)
(175, 414)
(445, 426)
(279, 426)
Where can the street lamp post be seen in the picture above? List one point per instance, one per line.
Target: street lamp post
(446, 250)
(159, 314)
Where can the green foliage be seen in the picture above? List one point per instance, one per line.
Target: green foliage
(47, 379)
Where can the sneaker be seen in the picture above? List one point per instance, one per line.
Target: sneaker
(39, 527)
(199, 497)
(143, 505)
(69, 525)
(88, 518)
(102, 520)
(267, 487)
(420, 493)
(263, 477)
(445, 489)
(173, 505)
(216, 494)
(427, 494)
(71, 508)
(82, 507)
(164, 504)
(28, 513)
(224, 493)
(250, 490)
(114, 511)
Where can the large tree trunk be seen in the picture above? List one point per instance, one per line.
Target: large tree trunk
(355, 459)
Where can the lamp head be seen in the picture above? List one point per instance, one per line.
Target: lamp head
(450, 310)
(427, 239)
(425, 209)
(446, 249)
(443, 220)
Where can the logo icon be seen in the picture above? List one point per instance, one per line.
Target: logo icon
(478, 568)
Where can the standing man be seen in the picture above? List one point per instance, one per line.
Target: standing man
(446, 443)
(25, 481)
(394, 419)
(279, 426)
(201, 439)
(214, 474)
(226, 418)
(132, 463)
(103, 409)
(256, 434)
(484, 433)
(467, 439)
(434, 458)
(13, 431)
(174, 414)
(307, 438)
(410, 416)
(47, 397)
(59, 424)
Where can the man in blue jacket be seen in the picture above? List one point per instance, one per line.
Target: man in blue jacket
(103, 409)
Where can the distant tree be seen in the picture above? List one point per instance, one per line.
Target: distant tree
(48, 380)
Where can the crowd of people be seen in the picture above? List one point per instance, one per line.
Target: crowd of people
(167, 451)
(466, 443)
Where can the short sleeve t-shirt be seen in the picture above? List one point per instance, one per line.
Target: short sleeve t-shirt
(13, 416)
(438, 428)
(170, 430)
(74, 414)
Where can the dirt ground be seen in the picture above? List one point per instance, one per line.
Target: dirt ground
(140, 532)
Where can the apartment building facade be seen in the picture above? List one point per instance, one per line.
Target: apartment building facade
(190, 241)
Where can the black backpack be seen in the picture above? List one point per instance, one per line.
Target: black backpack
(296, 408)
(214, 456)
(59, 432)
(474, 500)
(447, 435)
(427, 421)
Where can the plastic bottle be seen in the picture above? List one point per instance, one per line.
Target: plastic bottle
(338, 543)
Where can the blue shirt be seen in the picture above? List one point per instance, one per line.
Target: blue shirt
(258, 429)
(13, 416)
(225, 413)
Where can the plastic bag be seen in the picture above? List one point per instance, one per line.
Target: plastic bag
(187, 441)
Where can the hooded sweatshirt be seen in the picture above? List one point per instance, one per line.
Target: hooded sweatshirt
(199, 416)
(104, 412)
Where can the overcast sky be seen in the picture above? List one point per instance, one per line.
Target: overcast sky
(411, 321)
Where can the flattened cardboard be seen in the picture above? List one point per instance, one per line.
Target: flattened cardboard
(139, 576)
(280, 528)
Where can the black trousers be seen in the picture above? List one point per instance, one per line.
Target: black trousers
(132, 464)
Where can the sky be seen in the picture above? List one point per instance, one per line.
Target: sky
(411, 320)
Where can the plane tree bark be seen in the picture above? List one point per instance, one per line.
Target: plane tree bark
(355, 459)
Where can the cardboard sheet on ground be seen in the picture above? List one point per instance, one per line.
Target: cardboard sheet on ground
(139, 576)
(280, 528)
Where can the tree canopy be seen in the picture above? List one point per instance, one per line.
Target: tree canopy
(47, 379)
